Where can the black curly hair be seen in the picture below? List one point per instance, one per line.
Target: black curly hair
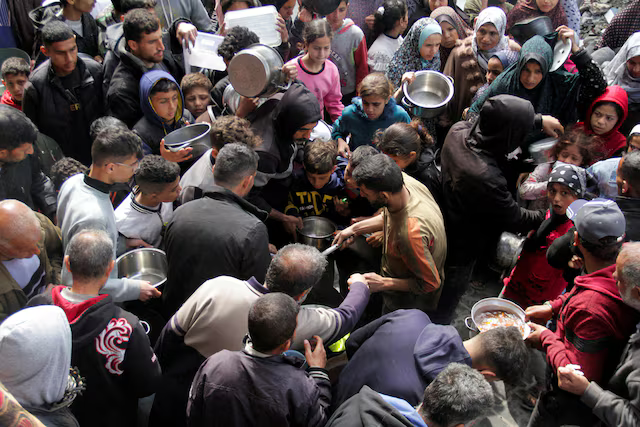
(237, 38)
(65, 168)
(228, 129)
(154, 173)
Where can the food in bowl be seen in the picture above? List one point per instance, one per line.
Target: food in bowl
(498, 318)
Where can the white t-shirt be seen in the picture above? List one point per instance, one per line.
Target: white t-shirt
(135, 221)
(381, 52)
(76, 26)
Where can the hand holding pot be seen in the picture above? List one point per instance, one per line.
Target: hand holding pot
(291, 71)
(343, 148)
(291, 224)
(178, 156)
(147, 291)
(344, 237)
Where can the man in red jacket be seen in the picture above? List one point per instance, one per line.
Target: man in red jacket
(593, 322)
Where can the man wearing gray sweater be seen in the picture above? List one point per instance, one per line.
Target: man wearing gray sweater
(84, 203)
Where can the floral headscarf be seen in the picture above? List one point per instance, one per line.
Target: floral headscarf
(616, 71)
(491, 15)
(407, 57)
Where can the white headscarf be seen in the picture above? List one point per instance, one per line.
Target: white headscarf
(496, 16)
(616, 71)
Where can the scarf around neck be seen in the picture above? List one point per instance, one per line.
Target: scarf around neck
(495, 16)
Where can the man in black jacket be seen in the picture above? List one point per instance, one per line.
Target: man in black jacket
(219, 234)
(20, 175)
(64, 94)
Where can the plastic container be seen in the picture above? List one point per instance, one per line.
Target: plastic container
(204, 53)
(260, 20)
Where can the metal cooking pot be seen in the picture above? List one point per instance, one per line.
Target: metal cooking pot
(494, 304)
(539, 150)
(257, 72)
(527, 28)
(148, 264)
(428, 95)
(507, 252)
(196, 136)
(317, 232)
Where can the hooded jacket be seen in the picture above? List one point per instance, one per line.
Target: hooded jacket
(35, 349)
(112, 351)
(613, 141)
(297, 107)
(399, 354)
(593, 326)
(426, 170)
(478, 205)
(152, 128)
(355, 122)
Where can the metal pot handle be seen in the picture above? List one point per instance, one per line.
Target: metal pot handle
(470, 327)
(406, 103)
(450, 78)
(146, 326)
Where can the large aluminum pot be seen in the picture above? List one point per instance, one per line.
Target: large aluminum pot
(195, 136)
(494, 304)
(257, 71)
(317, 232)
(148, 264)
(507, 252)
(428, 95)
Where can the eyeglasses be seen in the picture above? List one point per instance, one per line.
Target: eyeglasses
(133, 166)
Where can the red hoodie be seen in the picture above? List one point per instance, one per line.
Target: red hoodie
(8, 100)
(612, 141)
(594, 324)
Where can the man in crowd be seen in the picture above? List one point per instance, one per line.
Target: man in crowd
(619, 404)
(64, 95)
(192, 335)
(260, 385)
(84, 203)
(15, 74)
(628, 199)
(30, 255)
(21, 177)
(458, 395)
(400, 353)
(415, 244)
(222, 226)
(110, 347)
(593, 322)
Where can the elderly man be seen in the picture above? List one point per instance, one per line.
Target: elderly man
(619, 404)
(110, 346)
(415, 244)
(30, 255)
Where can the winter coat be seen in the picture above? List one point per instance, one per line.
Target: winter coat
(66, 115)
(25, 181)
(111, 350)
(399, 354)
(21, 23)
(426, 170)
(354, 122)
(630, 207)
(593, 326)
(478, 204)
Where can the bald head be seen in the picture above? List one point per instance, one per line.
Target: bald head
(628, 274)
(19, 230)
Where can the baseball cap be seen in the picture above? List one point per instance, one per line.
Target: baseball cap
(597, 219)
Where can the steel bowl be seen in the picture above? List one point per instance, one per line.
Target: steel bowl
(507, 252)
(428, 95)
(148, 264)
(317, 232)
(257, 71)
(196, 136)
(527, 28)
(495, 304)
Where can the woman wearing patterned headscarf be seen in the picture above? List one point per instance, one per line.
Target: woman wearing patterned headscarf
(453, 29)
(469, 60)
(532, 8)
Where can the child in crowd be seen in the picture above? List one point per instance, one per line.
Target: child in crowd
(162, 104)
(575, 148)
(143, 216)
(495, 66)
(374, 109)
(533, 281)
(15, 74)
(391, 20)
(319, 75)
(605, 116)
(348, 51)
(316, 187)
(196, 88)
(65, 168)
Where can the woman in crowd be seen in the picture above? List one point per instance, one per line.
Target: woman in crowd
(391, 21)
(499, 62)
(453, 29)
(621, 27)
(624, 71)
(468, 62)
(532, 8)
(420, 8)
(558, 93)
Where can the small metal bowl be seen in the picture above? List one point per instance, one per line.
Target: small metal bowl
(196, 136)
(147, 264)
(317, 232)
(429, 93)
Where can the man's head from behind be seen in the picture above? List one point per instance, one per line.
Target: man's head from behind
(59, 44)
(19, 231)
(458, 395)
(15, 74)
(236, 39)
(128, 5)
(600, 229)
(378, 178)
(89, 258)
(158, 179)
(17, 135)
(272, 322)
(628, 175)
(232, 129)
(357, 156)
(502, 354)
(627, 274)
(103, 123)
(235, 168)
(116, 153)
(294, 270)
(320, 161)
(143, 35)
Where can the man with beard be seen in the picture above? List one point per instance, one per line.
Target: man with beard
(415, 243)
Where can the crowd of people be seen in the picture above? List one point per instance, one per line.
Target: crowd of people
(252, 327)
